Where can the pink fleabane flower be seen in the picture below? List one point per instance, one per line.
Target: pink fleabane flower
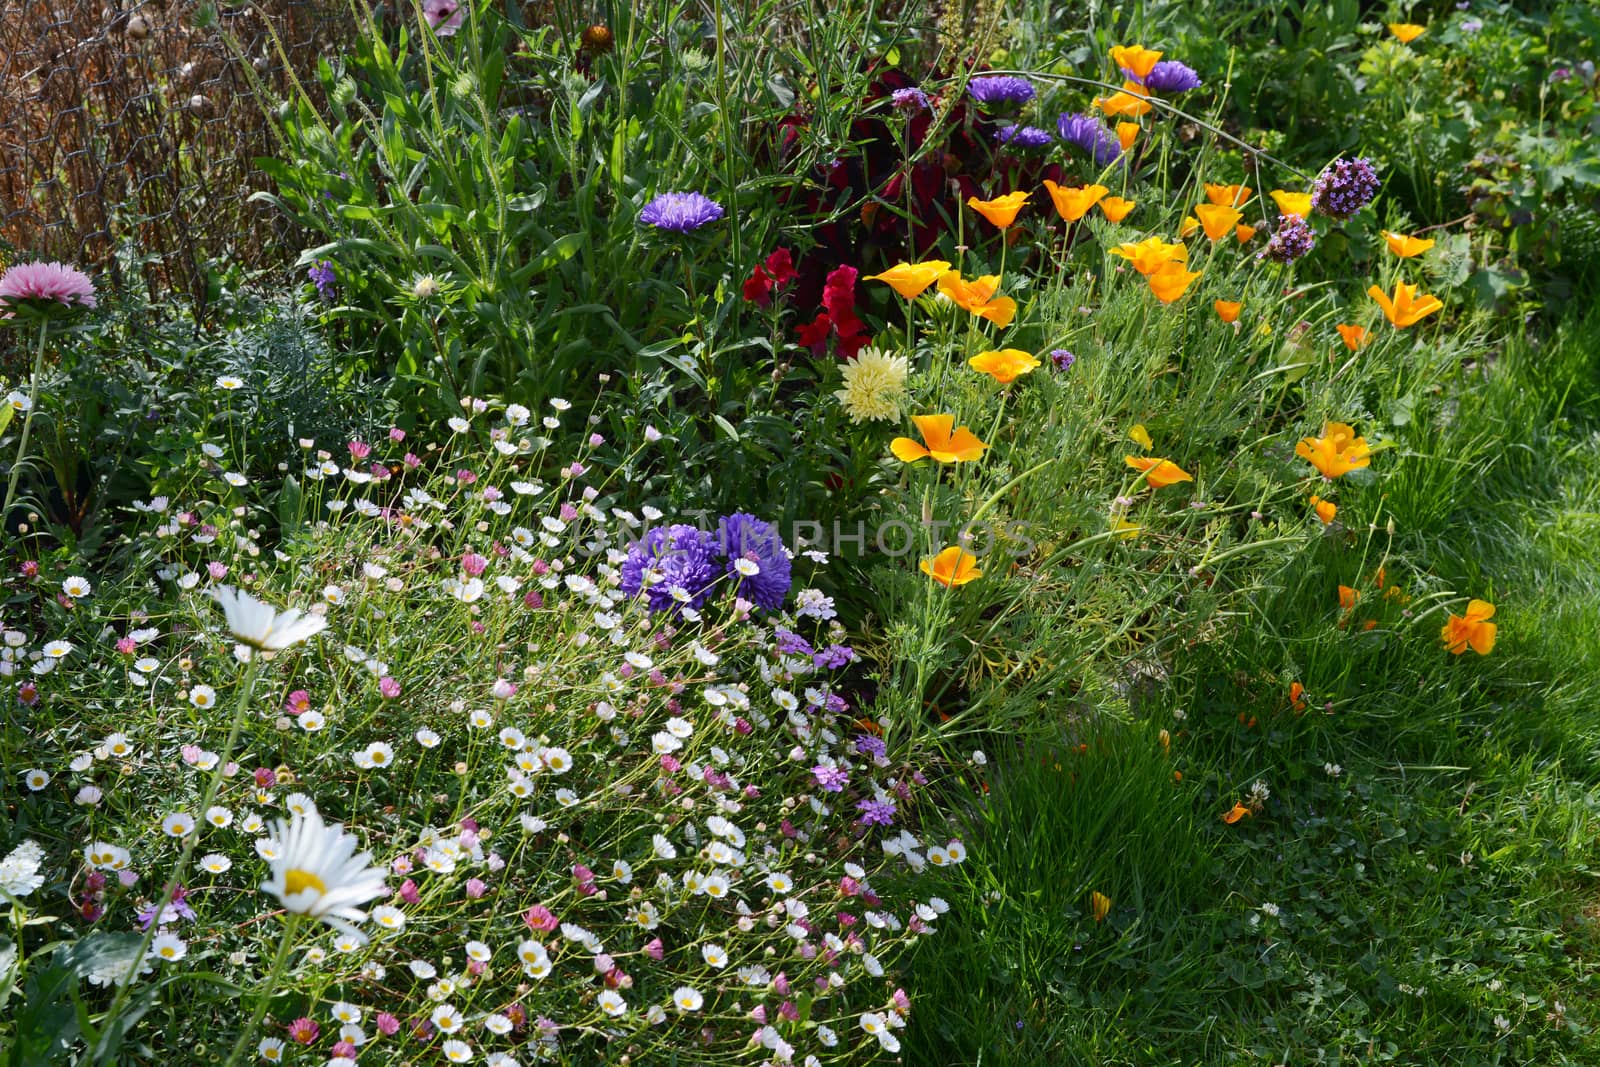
(41, 285)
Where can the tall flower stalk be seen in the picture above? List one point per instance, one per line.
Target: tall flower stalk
(27, 419)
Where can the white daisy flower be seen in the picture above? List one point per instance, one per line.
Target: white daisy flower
(320, 874)
(260, 625)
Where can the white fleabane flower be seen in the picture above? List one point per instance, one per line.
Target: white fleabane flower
(19, 871)
(687, 998)
(262, 626)
(318, 872)
(76, 587)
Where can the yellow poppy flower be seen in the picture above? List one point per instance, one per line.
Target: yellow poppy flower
(1406, 31)
(1406, 247)
(1188, 226)
(1472, 630)
(1124, 529)
(1217, 219)
(1325, 509)
(1099, 906)
(1337, 452)
(1135, 59)
(1127, 133)
(1170, 282)
(1406, 308)
(952, 567)
(1140, 436)
(1151, 254)
(1228, 195)
(1004, 365)
(1158, 472)
(1002, 210)
(1291, 203)
(1115, 208)
(1227, 310)
(1354, 336)
(910, 279)
(977, 296)
(943, 444)
(1074, 204)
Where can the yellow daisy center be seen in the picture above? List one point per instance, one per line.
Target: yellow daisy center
(297, 881)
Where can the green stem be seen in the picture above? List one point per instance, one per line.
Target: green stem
(27, 419)
(291, 922)
(213, 787)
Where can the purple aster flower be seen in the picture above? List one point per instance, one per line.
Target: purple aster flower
(875, 747)
(1347, 186)
(42, 285)
(684, 559)
(1091, 135)
(792, 644)
(1292, 239)
(876, 812)
(830, 779)
(743, 536)
(834, 656)
(1171, 76)
(1022, 136)
(1062, 358)
(681, 212)
(321, 275)
(910, 100)
(1001, 89)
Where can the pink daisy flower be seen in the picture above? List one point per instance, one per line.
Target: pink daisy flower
(45, 282)
(445, 16)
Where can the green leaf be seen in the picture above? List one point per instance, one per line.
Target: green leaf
(560, 250)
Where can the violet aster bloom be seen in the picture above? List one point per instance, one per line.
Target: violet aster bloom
(445, 16)
(1091, 135)
(681, 559)
(1022, 136)
(1292, 239)
(830, 779)
(833, 657)
(41, 285)
(321, 275)
(1001, 89)
(1171, 76)
(874, 747)
(876, 812)
(1062, 358)
(681, 212)
(910, 100)
(1347, 186)
(792, 644)
(743, 536)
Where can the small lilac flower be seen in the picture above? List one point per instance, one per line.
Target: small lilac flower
(1292, 239)
(680, 212)
(1091, 135)
(792, 644)
(1022, 136)
(834, 656)
(830, 779)
(1001, 89)
(1347, 186)
(910, 100)
(876, 812)
(41, 285)
(1171, 76)
(1471, 25)
(322, 276)
(1062, 359)
(874, 747)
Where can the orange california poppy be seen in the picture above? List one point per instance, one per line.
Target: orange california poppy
(1135, 59)
(1002, 210)
(1244, 233)
(1074, 204)
(1297, 696)
(1325, 509)
(910, 279)
(1115, 208)
(977, 296)
(1406, 31)
(1406, 247)
(1227, 195)
(952, 567)
(944, 444)
(1151, 254)
(1406, 308)
(1354, 336)
(1099, 906)
(1472, 630)
(1227, 310)
(1235, 813)
(1170, 281)
(1130, 102)
(1218, 219)
(1337, 452)
(1158, 472)
(1127, 133)
(1004, 365)
(1348, 597)
(1291, 203)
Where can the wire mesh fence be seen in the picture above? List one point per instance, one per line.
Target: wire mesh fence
(128, 130)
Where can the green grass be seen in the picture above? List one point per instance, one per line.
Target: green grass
(1436, 899)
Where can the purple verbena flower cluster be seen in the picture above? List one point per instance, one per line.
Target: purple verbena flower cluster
(1347, 186)
(1292, 239)
(322, 276)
